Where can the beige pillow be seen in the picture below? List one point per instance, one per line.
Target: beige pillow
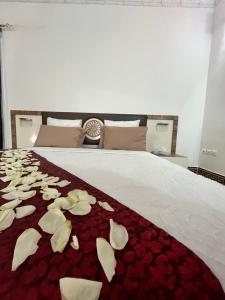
(123, 138)
(54, 136)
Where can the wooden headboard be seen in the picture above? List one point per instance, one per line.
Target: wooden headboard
(85, 116)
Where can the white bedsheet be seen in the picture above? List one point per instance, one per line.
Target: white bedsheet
(189, 207)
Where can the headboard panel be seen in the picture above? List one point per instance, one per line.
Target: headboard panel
(85, 116)
(25, 126)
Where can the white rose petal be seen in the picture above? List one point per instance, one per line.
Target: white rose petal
(118, 235)
(6, 218)
(7, 178)
(91, 199)
(15, 181)
(61, 203)
(27, 195)
(78, 195)
(36, 163)
(105, 205)
(106, 257)
(32, 169)
(63, 183)
(11, 195)
(51, 179)
(26, 245)
(41, 176)
(10, 204)
(81, 195)
(61, 237)
(80, 208)
(79, 289)
(8, 189)
(51, 220)
(35, 174)
(19, 195)
(24, 187)
(24, 211)
(75, 244)
(50, 193)
(39, 183)
(28, 180)
(73, 197)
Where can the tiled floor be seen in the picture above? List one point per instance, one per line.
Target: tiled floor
(208, 174)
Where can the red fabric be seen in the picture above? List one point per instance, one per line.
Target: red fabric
(153, 265)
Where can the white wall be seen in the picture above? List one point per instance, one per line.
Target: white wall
(110, 59)
(214, 119)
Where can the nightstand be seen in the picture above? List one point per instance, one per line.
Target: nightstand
(176, 159)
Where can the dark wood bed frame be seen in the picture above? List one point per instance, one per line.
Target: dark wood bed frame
(102, 116)
(85, 116)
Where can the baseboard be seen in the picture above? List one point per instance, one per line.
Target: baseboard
(193, 169)
(209, 174)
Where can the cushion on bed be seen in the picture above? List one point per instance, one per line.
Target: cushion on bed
(56, 136)
(64, 122)
(123, 138)
(134, 123)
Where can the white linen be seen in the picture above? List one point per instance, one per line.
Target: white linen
(64, 122)
(189, 207)
(134, 123)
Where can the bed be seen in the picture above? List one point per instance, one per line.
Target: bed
(175, 220)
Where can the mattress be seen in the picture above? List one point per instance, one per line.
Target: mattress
(189, 207)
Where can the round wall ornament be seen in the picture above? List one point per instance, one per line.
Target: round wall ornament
(93, 128)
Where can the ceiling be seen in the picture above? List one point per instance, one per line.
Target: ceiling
(156, 3)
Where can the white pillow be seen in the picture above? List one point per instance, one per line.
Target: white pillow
(134, 123)
(64, 122)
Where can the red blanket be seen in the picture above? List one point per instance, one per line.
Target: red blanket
(153, 265)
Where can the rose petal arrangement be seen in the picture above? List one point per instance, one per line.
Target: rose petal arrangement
(21, 172)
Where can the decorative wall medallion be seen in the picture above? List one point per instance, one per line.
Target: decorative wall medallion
(93, 128)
